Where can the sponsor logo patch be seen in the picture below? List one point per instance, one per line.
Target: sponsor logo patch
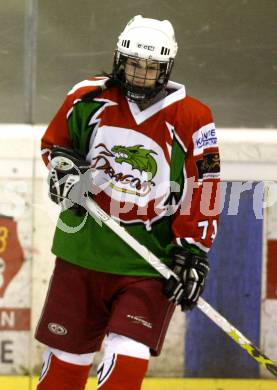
(146, 47)
(139, 320)
(209, 167)
(57, 329)
(204, 138)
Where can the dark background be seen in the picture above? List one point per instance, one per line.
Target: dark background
(227, 53)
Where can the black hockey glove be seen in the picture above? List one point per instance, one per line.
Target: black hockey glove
(191, 266)
(69, 178)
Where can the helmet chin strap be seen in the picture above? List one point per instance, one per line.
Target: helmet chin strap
(143, 104)
(137, 94)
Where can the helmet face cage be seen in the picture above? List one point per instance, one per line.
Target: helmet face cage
(135, 84)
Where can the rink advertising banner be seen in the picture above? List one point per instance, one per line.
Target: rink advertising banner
(14, 302)
(234, 289)
(271, 274)
(11, 253)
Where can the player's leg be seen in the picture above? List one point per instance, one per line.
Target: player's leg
(138, 324)
(124, 364)
(64, 371)
(142, 312)
(74, 321)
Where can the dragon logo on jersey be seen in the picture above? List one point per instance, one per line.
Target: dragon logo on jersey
(137, 157)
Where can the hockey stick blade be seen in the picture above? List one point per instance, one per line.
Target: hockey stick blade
(237, 336)
(96, 211)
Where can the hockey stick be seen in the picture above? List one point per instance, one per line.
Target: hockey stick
(204, 306)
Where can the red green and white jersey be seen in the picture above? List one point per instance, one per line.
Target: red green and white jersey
(158, 171)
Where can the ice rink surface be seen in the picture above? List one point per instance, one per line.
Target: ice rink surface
(25, 383)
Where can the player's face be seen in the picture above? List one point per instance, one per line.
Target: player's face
(142, 73)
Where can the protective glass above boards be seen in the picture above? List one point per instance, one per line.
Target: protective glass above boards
(226, 57)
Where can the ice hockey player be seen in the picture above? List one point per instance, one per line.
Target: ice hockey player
(146, 150)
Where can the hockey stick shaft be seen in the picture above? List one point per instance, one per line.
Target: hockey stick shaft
(95, 210)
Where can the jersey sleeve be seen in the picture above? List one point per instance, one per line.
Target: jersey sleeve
(195, 221)
(58, 132)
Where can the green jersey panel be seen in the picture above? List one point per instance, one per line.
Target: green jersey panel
(96, 247)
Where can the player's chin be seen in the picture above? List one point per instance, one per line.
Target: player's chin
(141, 83)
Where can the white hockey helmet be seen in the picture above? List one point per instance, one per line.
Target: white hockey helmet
(150, 40)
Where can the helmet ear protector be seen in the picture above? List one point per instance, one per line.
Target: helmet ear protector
(151, 41)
